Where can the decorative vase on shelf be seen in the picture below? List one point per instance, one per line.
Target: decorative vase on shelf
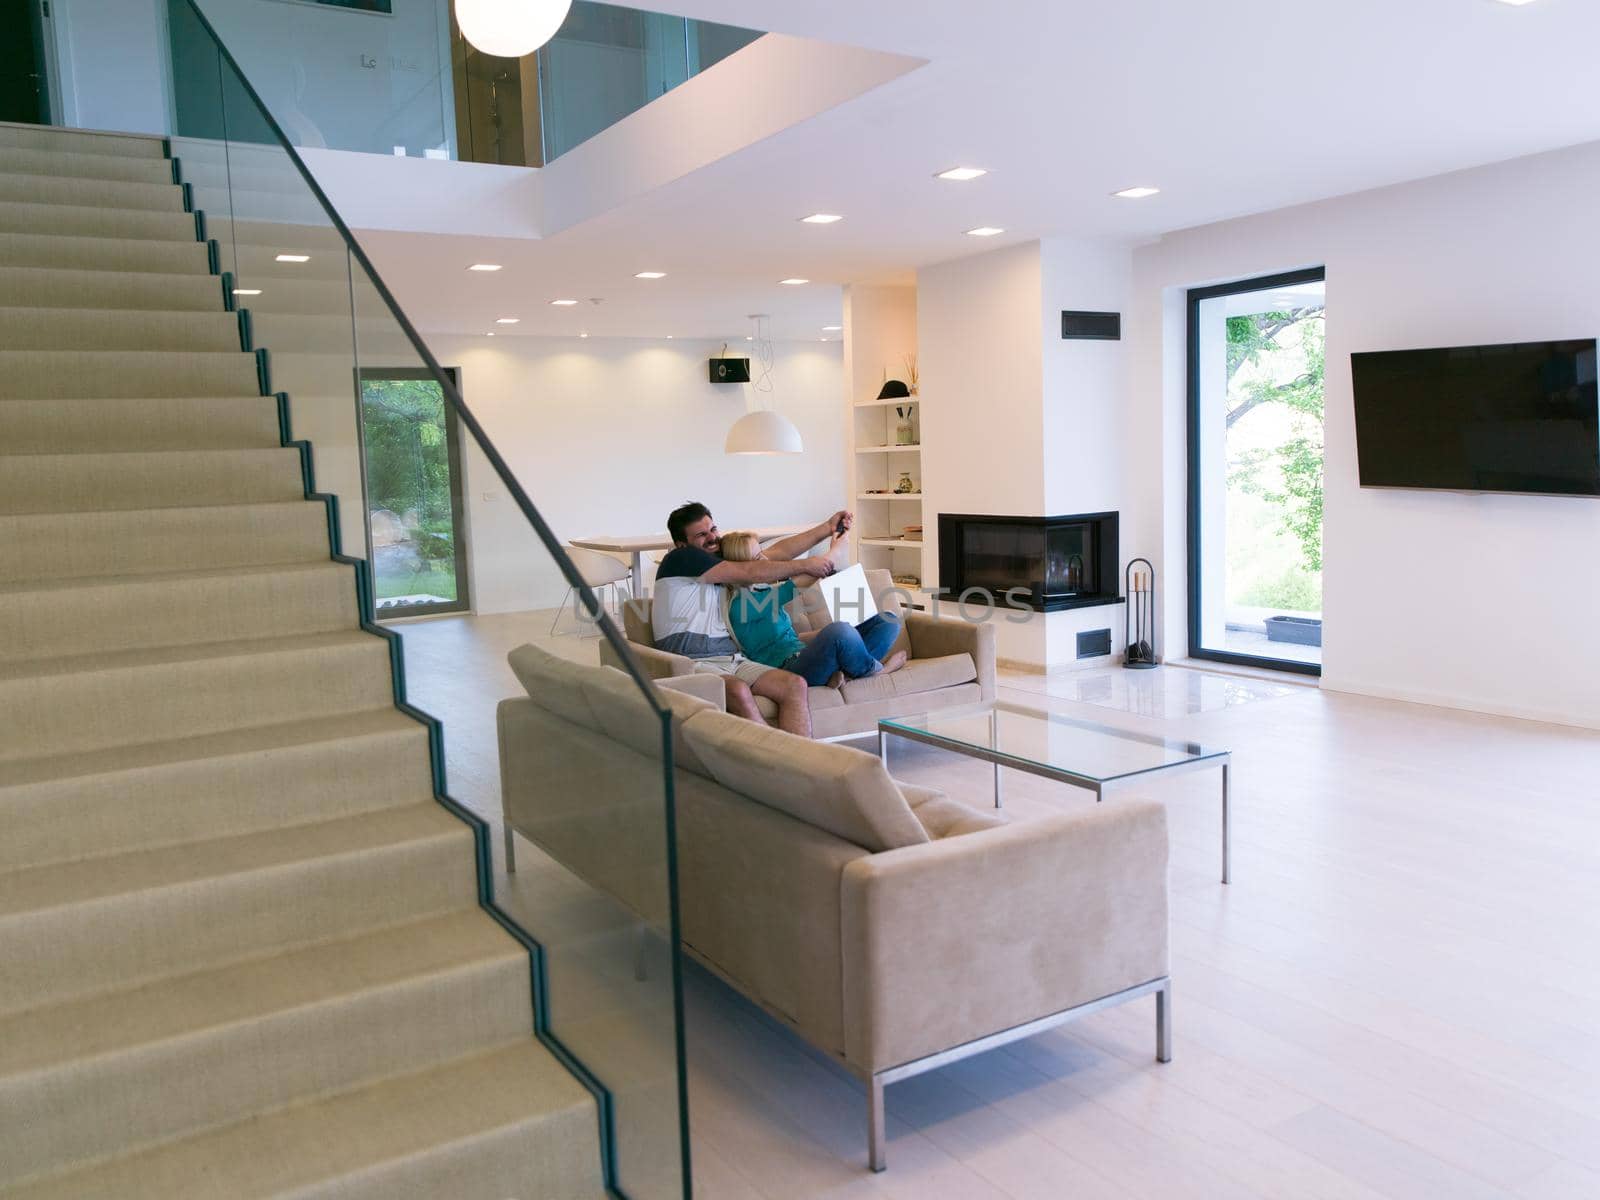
(905, 485)
(904, 435)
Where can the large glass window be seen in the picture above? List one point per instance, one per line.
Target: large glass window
(1255, 471)
(414, 506)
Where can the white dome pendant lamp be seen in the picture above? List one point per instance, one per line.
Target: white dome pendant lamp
(763, 431)
(510, 28)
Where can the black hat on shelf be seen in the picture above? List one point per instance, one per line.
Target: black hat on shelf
(894, 390)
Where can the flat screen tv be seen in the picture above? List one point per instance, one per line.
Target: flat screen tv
(1520, 417)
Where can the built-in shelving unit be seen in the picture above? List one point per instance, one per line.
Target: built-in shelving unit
(880, 337)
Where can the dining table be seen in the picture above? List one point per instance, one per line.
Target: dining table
(638, 545)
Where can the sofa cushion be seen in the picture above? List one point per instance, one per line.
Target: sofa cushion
(625, 715)
(918, 675)
(636, 621)
(606, 701)
(843, 791)
(943, 817)
(553, 683)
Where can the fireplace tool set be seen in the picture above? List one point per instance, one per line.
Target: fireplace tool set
(1139, 618)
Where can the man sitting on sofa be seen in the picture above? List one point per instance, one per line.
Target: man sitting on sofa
(686, 608)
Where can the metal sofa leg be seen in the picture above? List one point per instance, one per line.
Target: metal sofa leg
(1164, 1023)
(877, 1157)
(511, 849)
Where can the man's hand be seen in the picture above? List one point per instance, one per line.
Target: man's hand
(815, 568)
(841, 521)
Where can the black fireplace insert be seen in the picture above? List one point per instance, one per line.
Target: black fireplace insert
(1043, 563)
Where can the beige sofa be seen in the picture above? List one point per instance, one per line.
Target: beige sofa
(951, 662)
(889, 925)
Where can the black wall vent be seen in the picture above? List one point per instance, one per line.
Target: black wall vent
(1095, 643)
(1091, 326)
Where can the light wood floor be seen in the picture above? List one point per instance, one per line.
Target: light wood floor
(1397, 996)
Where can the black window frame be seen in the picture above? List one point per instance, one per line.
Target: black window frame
(1259, 283)
(458, 497)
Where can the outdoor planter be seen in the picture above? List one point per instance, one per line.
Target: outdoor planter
(1302, 631)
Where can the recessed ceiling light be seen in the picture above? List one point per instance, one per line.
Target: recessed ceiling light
(506, 320)
(247, 291)
(1136, 193)
(583, 335)
(832, 328)
(563, 303)
(484, 267)
(489, 334)
(961, 174)
(651, 275)
(294, 258)
(1516, 3)
(984, 231)
(749, 337)
(669, 337)
(822, 218)
(794, 282)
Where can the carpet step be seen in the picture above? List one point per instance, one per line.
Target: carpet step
(124, 424)
(118, 329)
(67, 220)
(78, 141)
(139, 612)
(310, 238)
(508, 1123)
(121, 168)
(53, 250)
(62, 287)
(59, 483)
(76, 1079)
(94, 701)
(95, 193)
(70, 931)
(85, 805)
(69, 374)
(275, 292)
(40, 546)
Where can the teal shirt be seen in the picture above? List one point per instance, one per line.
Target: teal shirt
(763, 630)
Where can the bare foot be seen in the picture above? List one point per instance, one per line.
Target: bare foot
(894, 662)
(836, 679)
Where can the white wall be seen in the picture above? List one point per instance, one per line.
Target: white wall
(1084, 381)
(1479, 602)
(112, 65)
(979, 352)
(609, 435)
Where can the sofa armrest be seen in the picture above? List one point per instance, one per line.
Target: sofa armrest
(935, 637)
(957, 939)
(658, 664)
(703, 684)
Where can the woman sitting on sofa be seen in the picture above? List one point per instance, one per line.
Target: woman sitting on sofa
(830, 655)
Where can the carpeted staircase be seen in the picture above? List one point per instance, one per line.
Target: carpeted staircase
(241, 952)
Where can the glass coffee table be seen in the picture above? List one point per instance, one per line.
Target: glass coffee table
(1057, 747)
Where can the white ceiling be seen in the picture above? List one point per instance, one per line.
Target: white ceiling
(1229, 106)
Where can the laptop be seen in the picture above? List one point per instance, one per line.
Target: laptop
(847, 595)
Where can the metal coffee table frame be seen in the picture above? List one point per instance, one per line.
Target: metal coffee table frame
(1099, 787)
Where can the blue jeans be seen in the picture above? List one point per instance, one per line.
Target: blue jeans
(856, 650)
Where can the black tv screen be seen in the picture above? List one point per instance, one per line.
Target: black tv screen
(1520, 417)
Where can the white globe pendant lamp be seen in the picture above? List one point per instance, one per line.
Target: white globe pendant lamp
(510, 28)
(763, 432)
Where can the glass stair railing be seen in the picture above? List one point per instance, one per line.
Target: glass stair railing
(348, 380)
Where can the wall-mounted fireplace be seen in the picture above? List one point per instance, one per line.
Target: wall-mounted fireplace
(1043, 563)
